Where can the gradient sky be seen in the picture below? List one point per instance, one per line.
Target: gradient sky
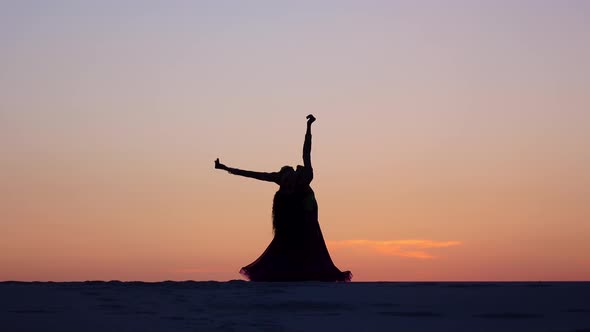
(452, 141)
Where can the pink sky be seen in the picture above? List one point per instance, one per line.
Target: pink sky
(451, 141)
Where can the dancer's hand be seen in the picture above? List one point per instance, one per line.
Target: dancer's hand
(219, 165)
(310, 119)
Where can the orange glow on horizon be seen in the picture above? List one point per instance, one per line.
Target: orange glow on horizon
(404, 248)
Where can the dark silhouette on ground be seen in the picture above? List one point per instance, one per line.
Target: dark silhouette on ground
(298, 251)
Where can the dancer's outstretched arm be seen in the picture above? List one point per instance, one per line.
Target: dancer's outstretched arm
(307, 142)
(263, 176)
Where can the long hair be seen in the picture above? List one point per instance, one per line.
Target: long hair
(287, 213)
(287, 208)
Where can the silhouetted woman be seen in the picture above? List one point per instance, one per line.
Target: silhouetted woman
(298, 251)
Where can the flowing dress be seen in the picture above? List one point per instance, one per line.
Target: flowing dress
(298, 251)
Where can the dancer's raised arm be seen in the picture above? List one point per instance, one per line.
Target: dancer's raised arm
(263, 176)
(307, 142)
(306, 171)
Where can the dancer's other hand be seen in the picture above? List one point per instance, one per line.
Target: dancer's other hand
(219, 165)
(310, 119)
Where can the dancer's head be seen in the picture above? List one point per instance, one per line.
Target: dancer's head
(287, 176)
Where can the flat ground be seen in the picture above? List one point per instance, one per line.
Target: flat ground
(245, 306)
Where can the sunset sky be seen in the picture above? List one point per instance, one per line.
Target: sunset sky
(452, 140)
